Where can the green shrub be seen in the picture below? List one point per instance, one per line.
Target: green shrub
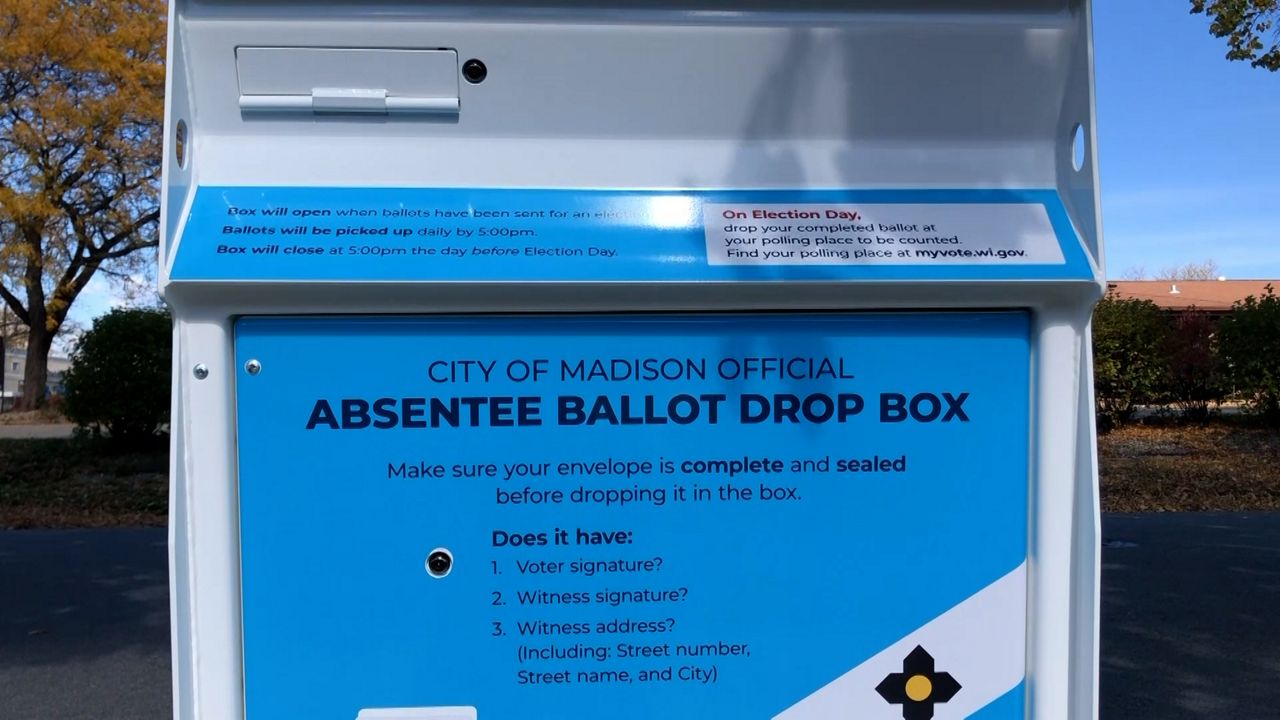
(119, 376)
(1130, 367)
(1250, 345)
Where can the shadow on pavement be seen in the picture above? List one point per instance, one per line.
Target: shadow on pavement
(84, 624)
(1189, 626)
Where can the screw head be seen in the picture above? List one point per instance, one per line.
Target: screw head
(201, 371)
(253, 367)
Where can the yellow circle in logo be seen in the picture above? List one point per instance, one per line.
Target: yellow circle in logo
(919, 688)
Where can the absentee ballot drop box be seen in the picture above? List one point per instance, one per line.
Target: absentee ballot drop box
(632, 360)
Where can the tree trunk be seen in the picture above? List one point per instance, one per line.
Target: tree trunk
(36, 374)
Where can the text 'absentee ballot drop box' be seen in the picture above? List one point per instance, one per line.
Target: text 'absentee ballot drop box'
(632, 360)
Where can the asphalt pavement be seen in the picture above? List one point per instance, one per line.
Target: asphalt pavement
(1189, 627)
(84, 625)
(1191, 616)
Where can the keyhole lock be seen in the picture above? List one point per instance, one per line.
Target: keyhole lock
(474, 71)
(439, 563)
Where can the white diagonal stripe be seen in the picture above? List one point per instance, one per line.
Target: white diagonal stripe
(981, 642)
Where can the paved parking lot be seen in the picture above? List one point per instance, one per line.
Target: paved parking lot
(1189, 616)
(1189, 625)
(84, 625)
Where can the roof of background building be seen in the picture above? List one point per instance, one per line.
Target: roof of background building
(1209, 295)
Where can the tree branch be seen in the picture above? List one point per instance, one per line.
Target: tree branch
(19, 310)
(135, 226)
(70, 287)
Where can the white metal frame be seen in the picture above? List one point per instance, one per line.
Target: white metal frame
(816, 76)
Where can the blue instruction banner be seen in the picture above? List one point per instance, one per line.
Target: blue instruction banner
(483, 234)
(550, 518)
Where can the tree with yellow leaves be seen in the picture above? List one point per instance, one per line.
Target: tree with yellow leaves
(81, 124)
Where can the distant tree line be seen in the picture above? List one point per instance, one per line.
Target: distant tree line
(1186, 362)
(1203, 270)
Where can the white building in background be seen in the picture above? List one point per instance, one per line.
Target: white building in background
(15, 364)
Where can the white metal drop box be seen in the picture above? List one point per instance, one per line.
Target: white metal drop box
(541, 360)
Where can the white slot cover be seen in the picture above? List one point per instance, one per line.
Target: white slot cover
(347, 80)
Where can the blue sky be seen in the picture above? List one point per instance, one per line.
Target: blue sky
(1189, 144)
(1189, 149)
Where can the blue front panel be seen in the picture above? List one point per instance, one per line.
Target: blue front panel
(651, 517)
(488, 234)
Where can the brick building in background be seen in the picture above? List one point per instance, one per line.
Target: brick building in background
(1214, 297)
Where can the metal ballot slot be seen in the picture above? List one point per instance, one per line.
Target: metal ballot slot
(347, 80)
(544, 361)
